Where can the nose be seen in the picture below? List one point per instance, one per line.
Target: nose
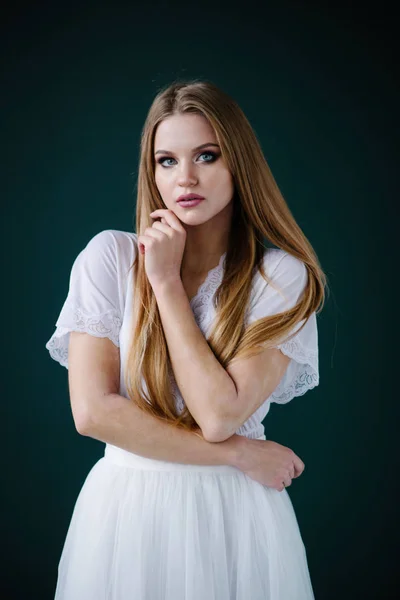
(187, 175)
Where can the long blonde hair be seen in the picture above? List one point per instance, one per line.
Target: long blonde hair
(260, 212)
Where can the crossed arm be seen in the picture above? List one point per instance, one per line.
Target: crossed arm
(220, 400)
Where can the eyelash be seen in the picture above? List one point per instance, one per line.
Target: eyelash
(162, 158)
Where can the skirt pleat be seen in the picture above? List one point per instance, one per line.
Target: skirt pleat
(145, 529)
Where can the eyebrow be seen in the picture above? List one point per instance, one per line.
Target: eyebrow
(194, 149)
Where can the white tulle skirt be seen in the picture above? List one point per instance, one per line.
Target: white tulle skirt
(145, 529)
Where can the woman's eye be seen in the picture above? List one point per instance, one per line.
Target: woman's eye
(161, 160)
(209, 154)
(164, 158)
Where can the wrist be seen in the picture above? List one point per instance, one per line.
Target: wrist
(229, 452)
(166, 284)
(234, 450)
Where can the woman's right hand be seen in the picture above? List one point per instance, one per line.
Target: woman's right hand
(267, 462)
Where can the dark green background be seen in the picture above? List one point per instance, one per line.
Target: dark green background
(318, 85)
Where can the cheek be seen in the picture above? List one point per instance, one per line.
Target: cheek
(223, 181)
(161, 180)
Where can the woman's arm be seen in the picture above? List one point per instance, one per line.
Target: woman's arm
(193, 362)
(120, 422)
(101, 412)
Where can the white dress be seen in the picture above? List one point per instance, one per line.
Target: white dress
(145, 529)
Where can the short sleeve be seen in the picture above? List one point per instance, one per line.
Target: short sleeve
(289, 275)
(93, 302)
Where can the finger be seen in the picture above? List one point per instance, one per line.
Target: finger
(145, 240)
(170, 217)
(161, 227)
(298, 466)
(154, 233)
(287, 480)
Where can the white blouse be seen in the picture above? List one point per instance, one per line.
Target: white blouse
(99, 302)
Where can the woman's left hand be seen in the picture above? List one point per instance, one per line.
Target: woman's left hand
(163, 245)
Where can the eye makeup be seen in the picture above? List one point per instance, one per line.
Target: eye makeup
(214, 156)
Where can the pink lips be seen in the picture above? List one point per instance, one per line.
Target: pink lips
(190, 197)
(190, 202)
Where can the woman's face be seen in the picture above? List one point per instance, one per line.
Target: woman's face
(181, 169)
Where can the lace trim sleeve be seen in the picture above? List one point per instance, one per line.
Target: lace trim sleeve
(301, 374)
(94, 303)
(73, 318)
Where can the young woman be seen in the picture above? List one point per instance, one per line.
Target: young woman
(177, 339)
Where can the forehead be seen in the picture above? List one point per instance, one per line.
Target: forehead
(183, 131)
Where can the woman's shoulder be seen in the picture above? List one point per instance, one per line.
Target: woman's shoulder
(123, 239)
(275, 255)
(279, 266)
(276, 260)
(121, 244)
